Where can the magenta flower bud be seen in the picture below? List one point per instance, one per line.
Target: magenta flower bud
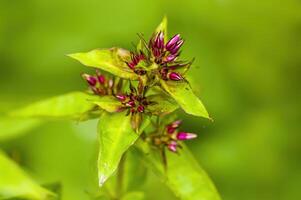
(175, 76)
(170, 129)
(176, 48)
(140, 108)
(176, 124)
(90, 79)
(170, 57)
(172, 42)
(131, 65)
(101, 79)
(121, 97)
(186, 136)
(159, 41)
(130, 104)
(172, 146)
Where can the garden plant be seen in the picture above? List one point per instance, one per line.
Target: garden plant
(134, 94)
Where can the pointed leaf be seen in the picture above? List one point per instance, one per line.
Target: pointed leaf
(115, 137)
(108, 103)
(125, 180)
(112, 60)
(183, 175)
(163, 104)
(162, 27)
(183, 94)
(15, 183)
(74, 105)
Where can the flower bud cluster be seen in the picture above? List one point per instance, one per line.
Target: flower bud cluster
(100, 84)
(135, 101)
(171, 137)
(163, 54)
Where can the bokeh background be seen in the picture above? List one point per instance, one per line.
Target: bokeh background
(247, 72)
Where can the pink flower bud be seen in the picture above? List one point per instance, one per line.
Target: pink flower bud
(175, 76)
(170, 129)
(170, 58)
(159, 41)
(176, 47)
(90, 79)
(172, 41)
(130, 104)
(140, 108)
(186, 136)
(176, 124)
(172, 146)
(121, 97)
(131, 65)
(101, 79)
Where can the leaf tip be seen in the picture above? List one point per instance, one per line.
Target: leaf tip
(102, 179)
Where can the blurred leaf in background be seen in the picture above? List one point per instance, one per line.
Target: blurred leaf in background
(247, 70)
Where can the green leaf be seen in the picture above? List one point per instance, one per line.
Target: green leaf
(162, 27)
(133, 168)
(108, 103)
(15, 183)
(11, 127)
(111, 60)
(163, 104)
(125, 180)
(115, 137)
(183, 94)
(74, 105)
(133, 196)
(184, 176)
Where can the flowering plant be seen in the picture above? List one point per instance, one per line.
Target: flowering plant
(134, 94)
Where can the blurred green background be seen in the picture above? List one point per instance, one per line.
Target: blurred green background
(247, 72)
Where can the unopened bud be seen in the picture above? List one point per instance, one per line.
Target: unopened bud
(172, 146)
(90, 79)
(176, 47)
(172, 42)
(121, 97)
(175, 76)
(101, 79)
(176, 124)
(170, 58)
(130, 104)
(186, 136)
(170, 129)
(140, 108)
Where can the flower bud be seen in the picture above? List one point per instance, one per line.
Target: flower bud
(175, 76)
(186, 136)
(130, 104)
(172, 146)
(170, 129)
(101, 79)
(121, 97)
(140, 108)
(176, 124)
(170, 57)
(159, 41)
(131, 65)
(172, 42)
(176, 47)
(90, 79)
